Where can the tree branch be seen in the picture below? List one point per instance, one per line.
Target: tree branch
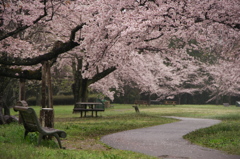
(101, 75)
(6, 60)
(17, 30)
(19, 73)
(73, 32)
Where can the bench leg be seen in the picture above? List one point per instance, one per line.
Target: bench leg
(96, 113)
(40, 137)
(25, 134)
(81, 113)
(55, 135)
(58, 139)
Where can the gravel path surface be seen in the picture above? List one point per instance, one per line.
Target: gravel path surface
(165, 141)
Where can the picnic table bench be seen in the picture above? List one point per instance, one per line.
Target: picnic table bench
(31, 124)
(170, 102)
(84, 107)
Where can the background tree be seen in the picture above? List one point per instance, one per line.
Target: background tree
(224, 80)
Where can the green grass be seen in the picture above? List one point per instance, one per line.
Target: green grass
(84, 133)
(224, 136)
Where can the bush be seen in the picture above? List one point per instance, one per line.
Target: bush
(57, 100)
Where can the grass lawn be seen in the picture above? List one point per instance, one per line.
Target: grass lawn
(84, 133)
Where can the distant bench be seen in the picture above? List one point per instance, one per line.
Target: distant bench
(84, 107)
(31, 124)
(226, 104)
(141, 102)
(155, 102)
(170, 102)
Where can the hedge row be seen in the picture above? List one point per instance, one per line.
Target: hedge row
(58, 100)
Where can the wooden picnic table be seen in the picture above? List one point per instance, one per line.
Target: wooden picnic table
(88, 106)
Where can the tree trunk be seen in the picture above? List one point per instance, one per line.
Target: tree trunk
(80, 85)
(84, 90)
(2, 121)
(230, 100)
(179, 98)
(76, 86)
(80, 90)
(47, 113)
(22, 90)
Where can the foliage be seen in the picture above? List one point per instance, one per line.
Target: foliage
(142, 41)
(57, 100)
(61, 99)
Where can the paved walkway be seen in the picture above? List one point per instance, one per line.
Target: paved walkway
(165, 141)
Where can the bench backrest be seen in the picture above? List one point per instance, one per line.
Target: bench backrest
(29, 118)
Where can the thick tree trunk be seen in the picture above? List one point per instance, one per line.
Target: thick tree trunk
(47, 113)
(84, 90)
(76, 86)
(80, 90)
(80, 85)
(22, 89)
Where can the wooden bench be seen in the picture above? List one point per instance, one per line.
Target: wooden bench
(226, 104)
(156, 102)
(31, 124)
(141, 102)
(84, 107)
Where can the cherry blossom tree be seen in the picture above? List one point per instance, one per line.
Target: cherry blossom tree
(224, 80)
(129, 37)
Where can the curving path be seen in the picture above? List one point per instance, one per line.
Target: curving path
(165, 141)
